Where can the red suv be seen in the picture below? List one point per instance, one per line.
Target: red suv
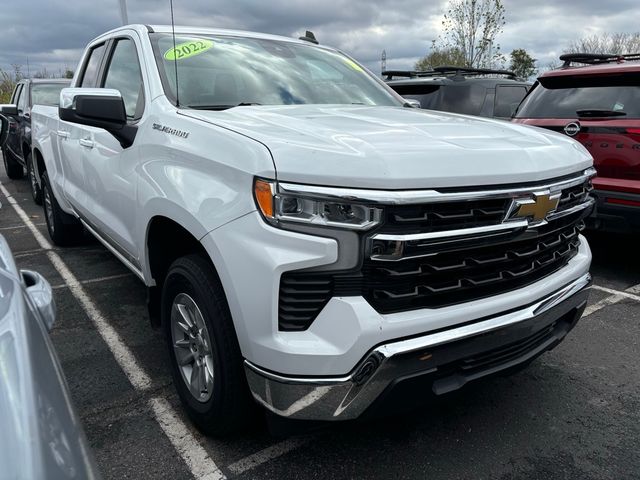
(597, 102)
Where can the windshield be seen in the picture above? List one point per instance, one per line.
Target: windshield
(573, 97)
(46, 93)
(220, 72)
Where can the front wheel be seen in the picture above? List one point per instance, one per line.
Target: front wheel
(206, 360)
(36, 191)
(64, 229)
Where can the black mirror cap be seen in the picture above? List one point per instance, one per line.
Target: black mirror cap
(101, 111)
(9, 110)
(96, 111)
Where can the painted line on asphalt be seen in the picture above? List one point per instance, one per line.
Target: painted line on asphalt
(196, 457)
(611, 299)
(626, 293)
(267, 454)
(20, 226)
(95, 280)
(178, 433)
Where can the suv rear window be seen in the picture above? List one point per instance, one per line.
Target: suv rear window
(467, 99)
(562, 97)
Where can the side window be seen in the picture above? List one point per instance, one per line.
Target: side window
(124, 74)
(508, 97)
(23, 100)
(92, 65)
(16, 94)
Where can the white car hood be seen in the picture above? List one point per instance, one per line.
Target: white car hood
(399, 148)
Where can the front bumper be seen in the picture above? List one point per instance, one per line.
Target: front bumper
(615, 212)
(449, 358)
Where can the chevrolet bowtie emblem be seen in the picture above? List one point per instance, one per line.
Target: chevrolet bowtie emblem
(536, 208)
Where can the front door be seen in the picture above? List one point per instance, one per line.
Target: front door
(109, 169)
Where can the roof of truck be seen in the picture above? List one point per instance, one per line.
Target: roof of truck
(182, 29)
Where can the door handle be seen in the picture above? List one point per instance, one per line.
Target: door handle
(85, 142)
(63, 134)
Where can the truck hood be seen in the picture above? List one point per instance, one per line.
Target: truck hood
(399, 148)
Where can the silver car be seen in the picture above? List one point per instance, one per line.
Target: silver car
(40, 433)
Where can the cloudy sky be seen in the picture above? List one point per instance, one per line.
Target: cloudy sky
(52, 33)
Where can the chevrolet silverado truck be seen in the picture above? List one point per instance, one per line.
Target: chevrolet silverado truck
(308, 240)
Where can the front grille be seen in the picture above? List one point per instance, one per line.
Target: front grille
(407, 219)
(470, 273)
(434, 275)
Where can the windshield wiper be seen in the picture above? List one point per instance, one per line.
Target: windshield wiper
(595, 112)
(222, 107)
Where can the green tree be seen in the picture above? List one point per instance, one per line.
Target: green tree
(523, 64)
(438, 57)
(472, 26)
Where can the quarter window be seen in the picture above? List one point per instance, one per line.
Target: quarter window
(507, 100)
(22, 101)
(124, 74)
(92, 66)
(16, 94)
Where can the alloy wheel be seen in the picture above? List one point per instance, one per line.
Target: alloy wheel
(192, 347)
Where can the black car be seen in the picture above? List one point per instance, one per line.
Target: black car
(471, 91)
(17, 149)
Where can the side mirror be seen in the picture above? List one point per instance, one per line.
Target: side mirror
(41, 295)
(4, 129)
(412, 102)
(9, 109)
(97, 107)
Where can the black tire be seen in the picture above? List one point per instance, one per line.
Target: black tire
(230, 406)
(12, 166)
(64, 229)
(36, 191)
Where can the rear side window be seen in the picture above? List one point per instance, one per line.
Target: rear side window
(92, 65)
(508, 97)
(124, 74)
(23, 100)
(46, 93)
(617, 96)
(16, 94)
(466, 99)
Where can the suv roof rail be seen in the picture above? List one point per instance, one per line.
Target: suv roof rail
(596, 58)
(447, 71)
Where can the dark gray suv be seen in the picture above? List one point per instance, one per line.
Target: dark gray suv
(470, 91)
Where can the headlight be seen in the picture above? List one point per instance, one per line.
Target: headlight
(279, 208)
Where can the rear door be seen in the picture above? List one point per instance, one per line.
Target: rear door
(110, 170)
(70, 136)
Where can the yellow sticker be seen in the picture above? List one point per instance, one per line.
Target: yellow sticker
(353, 65)
(188, 49)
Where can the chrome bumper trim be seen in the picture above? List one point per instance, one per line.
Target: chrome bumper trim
(348, 396)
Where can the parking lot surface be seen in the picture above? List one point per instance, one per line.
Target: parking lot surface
(574, 413)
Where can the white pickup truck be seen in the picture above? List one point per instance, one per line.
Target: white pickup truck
(307, 239)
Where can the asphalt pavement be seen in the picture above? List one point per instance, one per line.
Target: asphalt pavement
(573, 414)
